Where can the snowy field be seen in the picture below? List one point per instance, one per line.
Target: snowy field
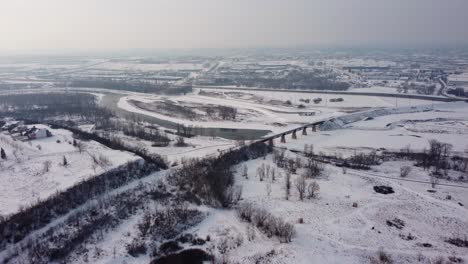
(24, 178)
(333, 231)
(347, 222)
(349, 101)
(196, 147)
(264, 118)
(447, 123)
(267, 109)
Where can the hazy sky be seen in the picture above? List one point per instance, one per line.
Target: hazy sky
(113, 25)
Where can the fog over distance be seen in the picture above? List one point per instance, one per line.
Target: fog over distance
(47, 26)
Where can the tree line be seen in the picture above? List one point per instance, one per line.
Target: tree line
(17, 226)
(134, 86)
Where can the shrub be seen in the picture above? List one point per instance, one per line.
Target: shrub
(312, 189)
(180, 142)
(405, 171)
(382, 257)
(136, 248)
(269, 224)
(301, 186)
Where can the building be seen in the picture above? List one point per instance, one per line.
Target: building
(37, 133)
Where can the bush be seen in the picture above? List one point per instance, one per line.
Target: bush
(459, 242)
(169, 247)
(312, 190)
(136, 248)
(301, 186)
(405, 171)
(382, 257)
(180, 142)
(269, 224)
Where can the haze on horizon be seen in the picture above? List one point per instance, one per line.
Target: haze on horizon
(31, 26)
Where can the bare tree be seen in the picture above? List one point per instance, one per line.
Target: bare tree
(287, 185)
(300, 184)
(273, 174)
(345, 169)
(312, 189)
(245, 172)
(434, 179)
(308, 150)
(16, 155)
(180, 142)
(268, 187)
(291, 166)
(313, 169)
(407, 151)
(261, 172)
(250, 233)
(279, 158)
(233, 194)
(46, 166)
(81, 146)
(438, 153)
(267, 170)
(298, 162)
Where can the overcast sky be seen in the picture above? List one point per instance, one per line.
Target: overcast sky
(116, 25)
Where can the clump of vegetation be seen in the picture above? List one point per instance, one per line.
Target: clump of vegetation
(136, 248)
(269, 224)
(180, 142)
(135, 86)
(211, 179)
(459, 242)
(3, 154)
(381, 257)
(405, 171)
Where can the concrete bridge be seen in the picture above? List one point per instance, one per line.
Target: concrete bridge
(303, 130)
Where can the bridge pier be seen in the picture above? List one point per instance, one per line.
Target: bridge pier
(283, 139)
(294, 136)
(270, 142)
(304, 131)
(314, 128)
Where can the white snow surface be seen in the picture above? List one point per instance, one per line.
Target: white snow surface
(23, 179)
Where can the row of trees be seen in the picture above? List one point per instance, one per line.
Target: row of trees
(17, 226)
(134, 86)
(81, 227)
(47, 106)
(293, 79)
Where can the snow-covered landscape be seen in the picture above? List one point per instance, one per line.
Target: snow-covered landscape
(34, 170)
(309, 157)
